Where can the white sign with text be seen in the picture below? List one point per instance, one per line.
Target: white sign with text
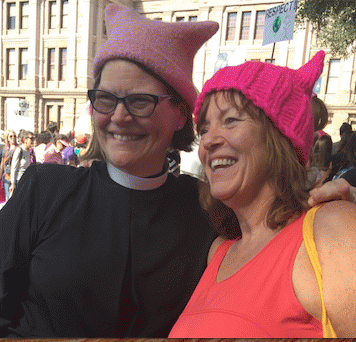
(279, 23)
(18, 115)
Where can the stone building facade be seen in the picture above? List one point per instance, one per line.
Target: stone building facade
(47, 49)
(240, 39)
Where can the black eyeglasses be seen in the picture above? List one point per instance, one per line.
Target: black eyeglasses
(32, 138)
(141, 105)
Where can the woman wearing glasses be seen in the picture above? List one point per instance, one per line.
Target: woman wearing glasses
(116, 249)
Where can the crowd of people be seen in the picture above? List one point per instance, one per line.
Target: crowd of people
(18, 152)
(332, 160)
(125, 248)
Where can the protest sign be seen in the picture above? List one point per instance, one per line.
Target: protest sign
(18, 115)
(279, 23)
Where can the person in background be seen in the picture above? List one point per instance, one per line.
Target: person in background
(320, 152)
(81, 143)
(349, 172)
(43, 139)
(53, 130)
(2, 149)
(339, 160)
(21, 158)
(53, 152)
(173, 159)
(345, 128)
(10, 145)
(68, 154)
(264, 275)
(2, 143)
(320, 114)
(92, 153)
(190, 163)
(32, 151)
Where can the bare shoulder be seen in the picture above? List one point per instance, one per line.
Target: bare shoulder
(215, 245)
(335, 239)
(337, 218)
(335, 230)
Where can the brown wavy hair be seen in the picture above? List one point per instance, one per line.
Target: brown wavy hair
(287, 175)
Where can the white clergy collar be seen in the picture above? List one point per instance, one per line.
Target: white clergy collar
(133, 182)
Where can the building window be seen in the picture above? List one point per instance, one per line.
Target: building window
(245, 25)
(11, 64)
(50, 114)
(52, 14)
(272, 61)
(11, 15)
(60, 116)
(62, 64)
(158, 19)
(193, 18)
(64, 14)
(24, 15)
(231, 25)
(51, 64)
(23, 63)
(179, 19)
(260, 24)
(333, 77)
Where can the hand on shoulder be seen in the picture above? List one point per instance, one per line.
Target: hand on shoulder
(338, 189)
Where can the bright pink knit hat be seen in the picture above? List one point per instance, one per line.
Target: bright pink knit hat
(284, 94)
(167, 49)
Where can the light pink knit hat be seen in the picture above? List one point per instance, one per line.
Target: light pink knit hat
(284, 94)
(167, 49)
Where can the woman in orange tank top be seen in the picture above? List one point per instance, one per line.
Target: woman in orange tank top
(264, 276)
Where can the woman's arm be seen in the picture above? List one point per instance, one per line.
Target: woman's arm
(15, 165)
(17, 240)
(335, 238)
(338, 189)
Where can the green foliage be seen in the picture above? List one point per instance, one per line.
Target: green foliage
(334, 22)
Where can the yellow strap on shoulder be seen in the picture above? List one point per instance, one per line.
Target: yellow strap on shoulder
(308, 237)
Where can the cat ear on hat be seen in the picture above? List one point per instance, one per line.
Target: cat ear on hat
(110, 12)
(311, 71)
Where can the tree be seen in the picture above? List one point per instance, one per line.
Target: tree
(334, 22)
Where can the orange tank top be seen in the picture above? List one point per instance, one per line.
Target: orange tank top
(258, 301)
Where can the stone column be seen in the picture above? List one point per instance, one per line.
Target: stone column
(84, 63)
(71, 77)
